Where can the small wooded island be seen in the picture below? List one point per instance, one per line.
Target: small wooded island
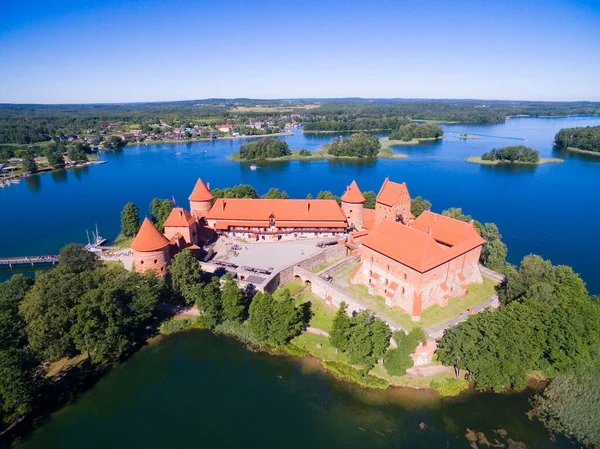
(357, 146)
(412, 134)
(518, 154)
(583, 139)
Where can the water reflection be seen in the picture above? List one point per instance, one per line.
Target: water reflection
(59, 176)
(563, 153)
(34, 183)
(78, 171)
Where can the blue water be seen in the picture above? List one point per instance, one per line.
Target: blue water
(552, 210)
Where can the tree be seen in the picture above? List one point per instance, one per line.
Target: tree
(208, 301)
(357, 145)
(74, 258)
(340, 329)
(29, 165)
(12, 326)
(159, 211)
(369, 339)
(398, 360)
(184, 274)
(456, 213)
(233, 300)
(274, 193)
(114, 142)
(56, 159)
(77, 154)
(412, 131)
(571, 404)
(309, 196)
(370, 199)
(130, 220)
(267, 148)
(419, 205)
(18, 383)
(272, 321)
(494, 251)
(325, 195)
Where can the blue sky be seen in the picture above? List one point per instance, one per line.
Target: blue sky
(66, 51)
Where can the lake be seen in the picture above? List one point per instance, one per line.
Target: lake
(552, 210)
(199, 390)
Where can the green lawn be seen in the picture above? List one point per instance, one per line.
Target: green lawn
(431, 316)
(477, 292)
(322, 313)
(321, 267)
(309, 342)
(123, 242)
(294, 287)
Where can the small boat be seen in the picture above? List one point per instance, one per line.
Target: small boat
(253, 167)
(16, 180)
(101, 162)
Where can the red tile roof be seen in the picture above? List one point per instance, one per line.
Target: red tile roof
(148, 238)
(179, 217)
(446, 230)
(415, 248)
(200, 192)
(392, 193)
(297, 211)
(353, 194)
(369, 218)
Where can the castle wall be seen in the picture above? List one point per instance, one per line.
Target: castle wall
(200, 208)
(189, 233)
(355, 214)
(152, 260)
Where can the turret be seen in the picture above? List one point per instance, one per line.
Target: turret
(353, 206)
(201, 200)
(150, 250)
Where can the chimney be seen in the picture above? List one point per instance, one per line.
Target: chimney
(208, 186)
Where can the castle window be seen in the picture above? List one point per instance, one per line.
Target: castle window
(386, 282)
(403, 290)
(388, 267)
(371, 260)
(141, 262)
(162, 268)
(370, 272)
(155, 261)
(404, 276)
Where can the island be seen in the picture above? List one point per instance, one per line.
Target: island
(467, 136)
(412, 134)
(583, 139)
(518, 154)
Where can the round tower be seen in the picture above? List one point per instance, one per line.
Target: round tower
(201, 200)
(150, 250)
(353, 206)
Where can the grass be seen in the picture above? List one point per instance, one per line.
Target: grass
(179, 325)
(578, 150)
(348, 372)
(543, 160)
(122, 242)
(321, 267)
(322, 313)
(388, 153)
(477, 292)
(411, 381)
(64, 364)
(431, 316)
(294, 287)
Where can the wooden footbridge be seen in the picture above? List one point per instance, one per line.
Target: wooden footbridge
(27, 261)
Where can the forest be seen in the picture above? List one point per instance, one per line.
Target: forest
(357, 145)
(266, 148)
(406, 133)
(26, 124)
(517, 153)
(583, 138)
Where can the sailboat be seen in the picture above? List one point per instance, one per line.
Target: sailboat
(98, 239)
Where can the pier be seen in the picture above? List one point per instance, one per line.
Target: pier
(27, 261)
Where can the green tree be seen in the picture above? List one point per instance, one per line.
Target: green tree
(309, 196)
(12, 326)
(370, 199)
(56, 159)
(74, 258)
(325, 195)
(233, 299)
(272, 321)
(274, 193)
(29, 165)
(130, 220)
(208, 301)
(184, 274)
(419, 205)
(494, 251)
(340, 329)
(357, 145)
(159, 211)
(369, 339)
(571, 404)
(19, 380)
(398, 360)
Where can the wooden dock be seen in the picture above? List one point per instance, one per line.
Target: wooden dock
(27, 261)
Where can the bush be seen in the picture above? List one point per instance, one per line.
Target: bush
(179, 325)
(450, 387)
(237, 331)
(305, 153)
(349, 373)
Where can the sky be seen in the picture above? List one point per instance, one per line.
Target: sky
(107, 51)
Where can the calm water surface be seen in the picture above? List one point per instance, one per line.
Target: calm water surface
(552, 210)
(196, 390)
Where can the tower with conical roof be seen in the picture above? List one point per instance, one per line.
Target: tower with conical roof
(353, 206)
(150, 250)
(201, 200)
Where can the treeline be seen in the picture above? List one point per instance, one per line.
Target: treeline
(518, 153)
(357, 145)
(406, 133)
(267, 148)
(347, 124)
(584, 138)
(548, 323)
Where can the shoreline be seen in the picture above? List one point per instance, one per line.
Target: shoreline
(543, 160)
(579, 150)
(46, 170)
(320, 155)
(186, 141)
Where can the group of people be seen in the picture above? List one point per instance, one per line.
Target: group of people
(117, 255)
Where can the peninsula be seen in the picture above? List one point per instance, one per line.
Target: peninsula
(518, 154)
